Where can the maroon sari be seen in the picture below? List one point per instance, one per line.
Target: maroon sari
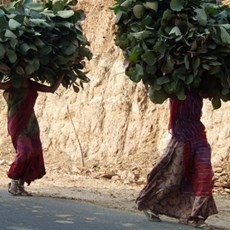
(180, 184)
(24, 131)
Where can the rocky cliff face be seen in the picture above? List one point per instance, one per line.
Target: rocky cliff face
(112, 122)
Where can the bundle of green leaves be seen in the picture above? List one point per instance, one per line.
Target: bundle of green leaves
(42, 40)
(175, 45)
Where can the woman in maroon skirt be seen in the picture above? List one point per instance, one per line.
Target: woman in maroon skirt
(24, 131)
(180, 184)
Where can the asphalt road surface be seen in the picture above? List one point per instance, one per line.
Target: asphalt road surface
(40, 213)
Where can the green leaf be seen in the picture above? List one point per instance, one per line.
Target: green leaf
(215, 70)
(5, 69)
(215, 63)
(181, 71)
(65, 13)
(76, 88)
(49, 74)
(135, 73)
(189, 79)
(45, 60)
(168, 66)
(181, 94)
(162, 80)
(152, 5)
(13, 24)
(156, 87)
(201, 16)
(11, 55)
(85, 52)
(16, 80)
(226, 26)
(58, 5)
(216, 103)
(36, 6)
(159, 47)
(20, 70)
(2, 51)
(32, 66)
(29, 69)
(166, 14)
(196, 63)
(3, 23)
(10, 34)
(127, 3)
(45, 50)
(24, 47)
(138, 10)
(177, 5)
(39, 42)
(181, 77)
(48, 13)
(175, 30)
(206, 66)
(13, 43)
(69, 49)
(186, 62)
(79, 15)
(225, 91)
(2, 13)
(62, 60)
(118, 17)
(157, 96)
(135, 53)
(225, 98)
(37, 21)
(149, 57)
(171, 87)
(225, 37)
(142, 34)
(35, 63)
(151, 69)
(81, 75)
(82, 38)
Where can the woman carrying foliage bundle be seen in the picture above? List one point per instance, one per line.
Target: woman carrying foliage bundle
(180, 184)
(24, 131)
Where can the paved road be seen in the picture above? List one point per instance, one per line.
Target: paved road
(39, 213)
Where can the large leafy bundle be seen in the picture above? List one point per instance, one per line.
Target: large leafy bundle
(175, 45)
(42, 40)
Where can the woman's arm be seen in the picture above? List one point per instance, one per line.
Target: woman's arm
(50, 89)
(5, 85)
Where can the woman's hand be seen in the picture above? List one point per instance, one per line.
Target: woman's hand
(50, 89)
(5, 85)
(57, 83)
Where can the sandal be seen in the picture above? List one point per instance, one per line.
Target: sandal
(201, 225)
(22, 191)
(13, 188)
(151, 216)
(183, 221)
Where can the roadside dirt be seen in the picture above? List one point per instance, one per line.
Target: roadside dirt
(101, 187)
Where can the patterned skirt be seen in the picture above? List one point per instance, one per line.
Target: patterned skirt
(177, 188)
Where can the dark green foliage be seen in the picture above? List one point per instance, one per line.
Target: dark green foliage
(42, 41)
(176, 45)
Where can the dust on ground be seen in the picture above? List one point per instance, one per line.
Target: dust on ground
(101, 186)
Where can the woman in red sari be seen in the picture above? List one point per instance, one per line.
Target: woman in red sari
(180, 184)
(24, 131)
